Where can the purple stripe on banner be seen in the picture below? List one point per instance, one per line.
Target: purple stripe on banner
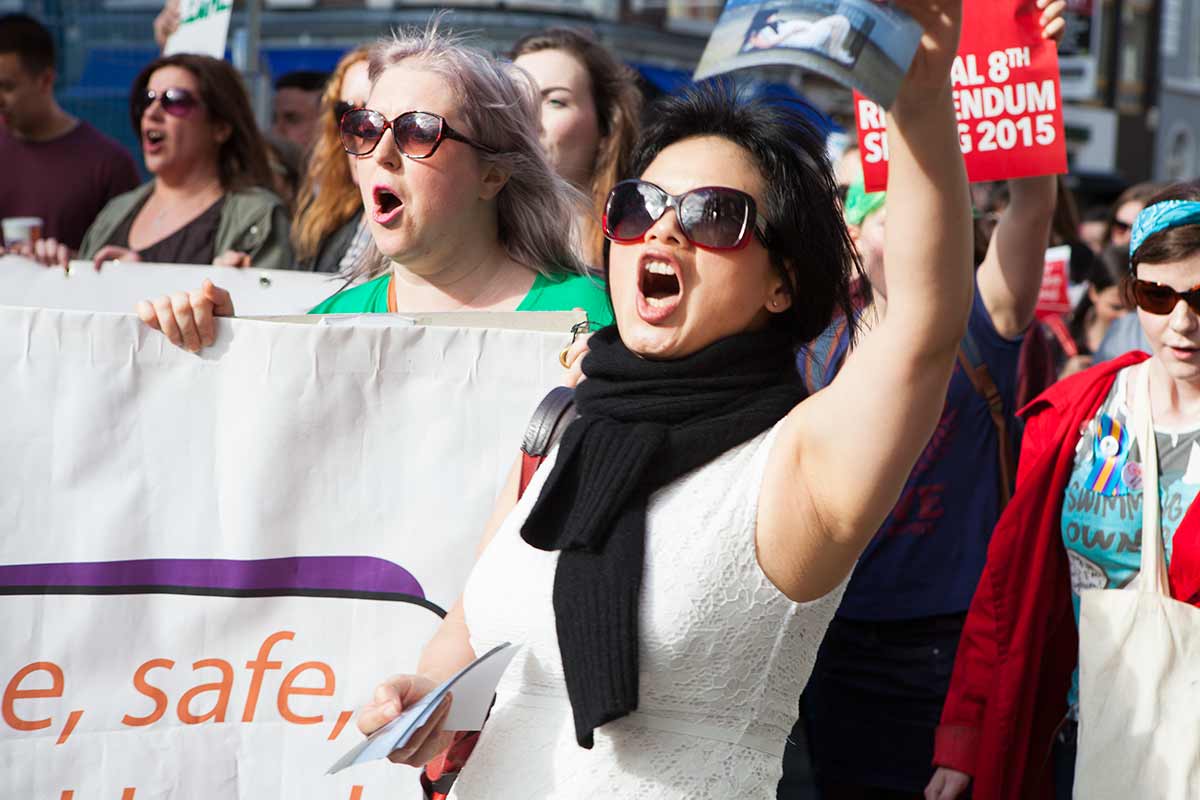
(329, 573)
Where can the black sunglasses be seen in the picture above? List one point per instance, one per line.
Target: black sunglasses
(1158, 299)
(417, 133)
(176, 102)
(711, 217)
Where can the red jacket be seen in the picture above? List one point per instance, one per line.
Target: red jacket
(1019, 646)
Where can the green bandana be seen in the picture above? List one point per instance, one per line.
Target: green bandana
(860, 204)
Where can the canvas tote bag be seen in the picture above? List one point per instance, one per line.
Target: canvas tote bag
(1139, 667)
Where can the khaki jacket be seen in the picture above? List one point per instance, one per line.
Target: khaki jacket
(253, 221)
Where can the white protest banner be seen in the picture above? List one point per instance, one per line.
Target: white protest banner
(209, 561)
(119, 286)
(203, 28)
(1006, 97)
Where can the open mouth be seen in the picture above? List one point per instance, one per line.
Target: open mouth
(659, 284)
(154, 138)
(659, 288)
(387, 204)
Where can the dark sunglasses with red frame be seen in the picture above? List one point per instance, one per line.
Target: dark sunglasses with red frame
(418, 134)
(711, 217)
(176, 102)
(1155, 298)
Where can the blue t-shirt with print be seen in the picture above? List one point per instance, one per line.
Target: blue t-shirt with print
(927, 557)
(1102, 506)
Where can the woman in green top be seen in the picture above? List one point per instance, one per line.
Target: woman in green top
(458, 193)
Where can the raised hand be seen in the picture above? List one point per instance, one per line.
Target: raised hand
(48, 251)
(929, 73)
(1053, 24)
(232, 258)
(186, 318)
(110, 252)
(391, 698)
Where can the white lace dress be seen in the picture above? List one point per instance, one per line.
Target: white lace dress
(724, 656)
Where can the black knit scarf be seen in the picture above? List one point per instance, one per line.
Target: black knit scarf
(641, 425)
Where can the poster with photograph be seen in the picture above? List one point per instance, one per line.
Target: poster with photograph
(861, 44)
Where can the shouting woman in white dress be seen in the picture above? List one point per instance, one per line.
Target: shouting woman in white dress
(673, 565)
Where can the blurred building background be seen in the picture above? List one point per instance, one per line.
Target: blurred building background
(1131, 68)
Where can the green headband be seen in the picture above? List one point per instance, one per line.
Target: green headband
(860, 204)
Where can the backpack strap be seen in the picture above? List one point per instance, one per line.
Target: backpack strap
(551, 417)
(981, 379)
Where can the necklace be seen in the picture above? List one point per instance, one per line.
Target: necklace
(199, 200)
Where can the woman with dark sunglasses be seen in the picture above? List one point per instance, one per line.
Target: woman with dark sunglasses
(672, 566)
(211, 187)
(459, 197)
(1010, 719)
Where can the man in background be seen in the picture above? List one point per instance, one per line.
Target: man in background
(297, 103)
(55, 166)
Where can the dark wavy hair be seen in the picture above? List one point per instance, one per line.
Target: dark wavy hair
(242, 161)
(807, 238)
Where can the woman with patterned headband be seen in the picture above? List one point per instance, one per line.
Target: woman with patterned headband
(1016, 674)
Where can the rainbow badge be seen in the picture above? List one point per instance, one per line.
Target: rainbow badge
(1110, 447)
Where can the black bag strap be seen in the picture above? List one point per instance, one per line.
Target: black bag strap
(556, 410)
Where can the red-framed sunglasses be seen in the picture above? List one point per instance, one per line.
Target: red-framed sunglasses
(176, 102)
(1155, 298)
(711, 217)
(418, 134)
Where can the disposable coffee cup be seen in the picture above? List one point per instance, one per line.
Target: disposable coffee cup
(21, 230)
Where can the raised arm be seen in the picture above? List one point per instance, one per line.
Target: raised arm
(843, 455)
(1011, 274)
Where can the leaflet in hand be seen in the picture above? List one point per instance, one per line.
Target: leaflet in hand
(473, 687)
(861, 44)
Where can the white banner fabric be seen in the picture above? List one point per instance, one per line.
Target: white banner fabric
(119, 286)
(207, 562)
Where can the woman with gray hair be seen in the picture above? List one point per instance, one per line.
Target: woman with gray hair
(458, 193)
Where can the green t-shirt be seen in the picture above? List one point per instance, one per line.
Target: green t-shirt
(557, 293)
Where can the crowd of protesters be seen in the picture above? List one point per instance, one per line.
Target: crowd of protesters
(954, 436)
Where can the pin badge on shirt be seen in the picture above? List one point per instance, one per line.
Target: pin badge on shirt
(1109, 449)
(1131, 476)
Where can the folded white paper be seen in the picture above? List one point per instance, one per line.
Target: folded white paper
(473, 686)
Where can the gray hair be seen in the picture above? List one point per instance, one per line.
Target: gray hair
(538, 211)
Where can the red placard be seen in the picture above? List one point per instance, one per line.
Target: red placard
(1053, 299)
(1006, 94)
